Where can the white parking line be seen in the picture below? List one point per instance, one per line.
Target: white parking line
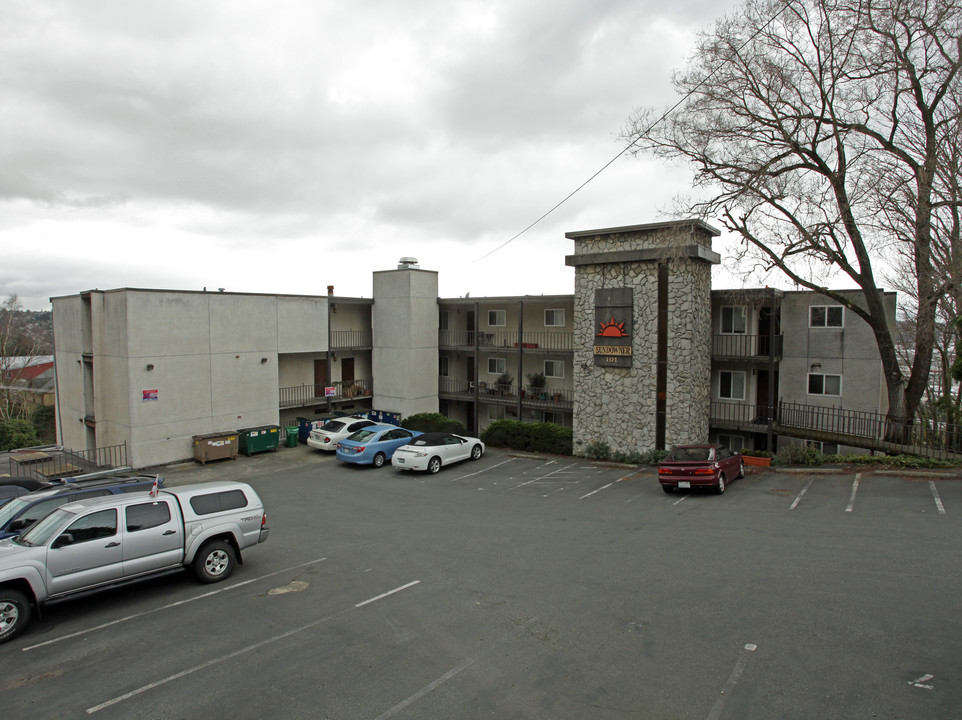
(168, 606)
(544, 477)
(851, 500)
(938, 500)
(410, 700)
(605, 487)
(236, 653)
(483, 470)
(801, 494)
(726, 691)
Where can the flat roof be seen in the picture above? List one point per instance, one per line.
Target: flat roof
(647, 227)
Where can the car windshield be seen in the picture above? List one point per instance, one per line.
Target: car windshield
(11, 509)
(696, 454)
(41, 531)
(362, 435)
(332, 426)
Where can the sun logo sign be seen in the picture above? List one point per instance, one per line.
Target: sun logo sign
(613, 327)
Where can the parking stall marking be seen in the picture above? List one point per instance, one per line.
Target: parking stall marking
(851, 500)
(802, 494)
(605, 487)
(733, 679)
(935, 496)
(545, 477)
(136, 616)
(483, 470)
(241, 651)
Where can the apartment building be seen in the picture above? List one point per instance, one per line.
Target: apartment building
(642, 355)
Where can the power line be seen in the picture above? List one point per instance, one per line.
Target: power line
(634, 142)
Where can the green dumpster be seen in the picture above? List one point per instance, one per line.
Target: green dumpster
(259, 439)
(291, 435)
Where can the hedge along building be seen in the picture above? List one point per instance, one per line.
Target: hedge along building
(642, 323)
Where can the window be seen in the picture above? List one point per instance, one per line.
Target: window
(554, 417)
(735, 443)
(826, 448)
(554, 369)
(496, 366)
(733, 321)
(824, 384)
(731, 385)
(495, 412)
(95, 526)
(443, 319)
(496, 318)
(218, 501)
(443, 366)
(147, 515)
(825, 316)
(554, 318)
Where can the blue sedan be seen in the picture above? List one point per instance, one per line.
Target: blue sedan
(374, 445)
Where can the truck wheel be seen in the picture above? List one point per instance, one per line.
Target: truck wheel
(14, 614)
(214, 562)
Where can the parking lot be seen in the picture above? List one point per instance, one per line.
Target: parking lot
(525, 587)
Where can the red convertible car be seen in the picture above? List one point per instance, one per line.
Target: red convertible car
(705, 466)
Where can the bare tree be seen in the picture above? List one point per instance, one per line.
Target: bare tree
(822, 132)
(16, 344)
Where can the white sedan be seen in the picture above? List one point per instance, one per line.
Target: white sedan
(329, 434)
(432, 450)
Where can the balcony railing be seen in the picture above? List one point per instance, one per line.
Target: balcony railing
(543, 340)
(491, 393)
(306, 395)
(51, 462)
(351, 339)
(746, 346)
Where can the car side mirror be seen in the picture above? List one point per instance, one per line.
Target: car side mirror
(64, 540)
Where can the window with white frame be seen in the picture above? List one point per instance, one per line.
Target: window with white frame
(496, 318)
(554, 318)
(735, 443)
(554, 369)
(731, 385)
(443, 366)
(496, 366)
(733, 320)
(554, 417)
(826, 448)
(819, 384)
(826, 316)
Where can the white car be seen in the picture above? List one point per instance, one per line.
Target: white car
(432, 450)
(330, 433)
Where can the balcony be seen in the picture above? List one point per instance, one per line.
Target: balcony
(308, 395)
(746, 347)
(544, 341)
(543, 398)
(351, 339)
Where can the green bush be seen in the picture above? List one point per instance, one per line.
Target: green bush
(531, 437)
(799, 455)
(44, 420)
(598, 450)
(16, 433)
(433, 422)
(807, 455)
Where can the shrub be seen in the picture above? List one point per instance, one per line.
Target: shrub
(598, 450)
(533, 437)
(799, 455)
(16, 433)
(433, 422)
(44, 420)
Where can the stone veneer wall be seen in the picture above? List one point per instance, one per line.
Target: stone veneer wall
(617, 405)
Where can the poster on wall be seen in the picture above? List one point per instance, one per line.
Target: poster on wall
(329, 392)
(613, 327)
(150, 395)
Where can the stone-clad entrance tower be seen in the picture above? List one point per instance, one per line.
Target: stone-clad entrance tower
(642, 325)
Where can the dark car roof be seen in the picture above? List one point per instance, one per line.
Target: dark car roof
(23, 481)
(114, 481)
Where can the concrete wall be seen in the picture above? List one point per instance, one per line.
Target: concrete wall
(405, 356)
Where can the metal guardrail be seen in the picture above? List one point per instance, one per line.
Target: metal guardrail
(746, 346)
(872, 431)
(507, 340)
(456, 388)
(306, 395)
(53, 462)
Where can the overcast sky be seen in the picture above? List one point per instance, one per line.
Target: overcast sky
(286, 146)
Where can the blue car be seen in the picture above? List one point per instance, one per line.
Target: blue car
(374, 445)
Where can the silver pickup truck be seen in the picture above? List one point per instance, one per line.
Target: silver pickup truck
(98, 543)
